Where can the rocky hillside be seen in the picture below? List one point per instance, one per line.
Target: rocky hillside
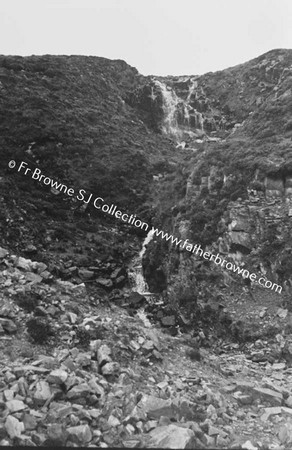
(206, 158)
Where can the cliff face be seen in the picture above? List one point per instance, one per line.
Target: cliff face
(234, 129)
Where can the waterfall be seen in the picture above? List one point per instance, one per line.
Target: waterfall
(136, 270)
(170, 103)
(177, 119)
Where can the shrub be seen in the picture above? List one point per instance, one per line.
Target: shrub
(39, 329)
(28, 301)
(83, 336)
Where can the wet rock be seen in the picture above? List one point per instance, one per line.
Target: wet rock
(80, 434)
(171, 436)
(13, 427)
(136, 299)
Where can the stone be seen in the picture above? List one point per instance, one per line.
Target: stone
(57, 376)
(136, 299)
(213, 431)
(19, 371)
(273, 397)
(25, 264)
(15, 405)
(248, 446)
(57, 435)
(3, 253)
(111, 368)
(96, 388)
(86, 274)
(8, 394)
(168, 321)
(34, 278)
(117, 273)
(154, 408)
(81, 390)
(245, 386)
(106, 283)
(103, 354)
(9, 377)
(29, 422)
(288, 401)
(282, 313)
(72, 316)
(80, 434)
(40, 267)
(243, 399)
(270, 412)
(42, 392)
(8, 325)
(13, 427)
(30, 248)
(278, 366)
(287, 410)
(171, 436)
(113, 421)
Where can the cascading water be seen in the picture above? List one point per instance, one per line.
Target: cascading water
(177, 112)
(136, 270)
(170, 103)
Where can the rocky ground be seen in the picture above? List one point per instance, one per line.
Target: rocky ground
(79, 372)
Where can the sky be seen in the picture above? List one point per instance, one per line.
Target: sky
(158, 37)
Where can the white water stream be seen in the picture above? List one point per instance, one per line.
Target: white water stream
(136, 270)
(174, 107)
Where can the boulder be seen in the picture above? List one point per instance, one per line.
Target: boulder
(3, 253)
(86, 274)
(106, 283)
(25, 264)
(13, 427)
(267, 395)
(80, 434)
(15, 405)
(42, 392)
(171, 436)
(57, 376)
(80, 390)
(111, 368)
(8, 325)
(168, 321)
(103, 354)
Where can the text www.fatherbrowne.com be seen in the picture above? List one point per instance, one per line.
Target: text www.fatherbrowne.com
(99, 203)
